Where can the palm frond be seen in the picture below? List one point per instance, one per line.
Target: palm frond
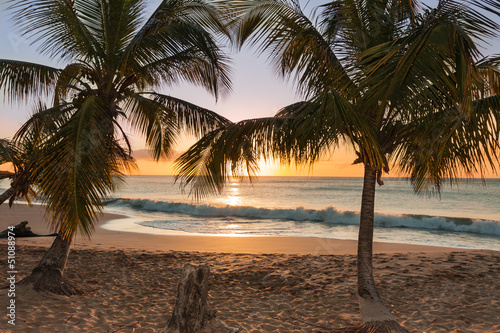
(180, 27)
(489, 67)
(431, 66)
(158, 126)
(60, 27)
(72, 76)
(192, 119)
(292, 42)
(160, 118)
(78, 167)
(20, 79)
(44, 121)
(112, 24)
(5, 151)
(299, 134)
(207, 165)
(448, 145)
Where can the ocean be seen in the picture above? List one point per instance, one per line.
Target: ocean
(466, 215)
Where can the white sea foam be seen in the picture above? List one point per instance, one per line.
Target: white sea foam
(329, 215)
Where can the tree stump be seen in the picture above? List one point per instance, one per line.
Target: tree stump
(191, 313)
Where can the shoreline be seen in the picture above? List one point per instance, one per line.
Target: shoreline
(162, 240)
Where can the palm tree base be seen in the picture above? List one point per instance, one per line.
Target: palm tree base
(46, 279)
(48, 275)
(386, 326)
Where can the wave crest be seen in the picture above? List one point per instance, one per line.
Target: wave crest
(329, 215)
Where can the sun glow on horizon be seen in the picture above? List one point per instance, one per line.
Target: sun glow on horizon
(337, 165)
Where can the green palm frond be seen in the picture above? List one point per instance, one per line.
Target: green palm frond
(324, 122)
(44, 121)
(207, 165)
(448, 145)
(23, 152)
(434, 65)
(112, 24)
(293, 44)
(72, 77)
(158, 126)
(21, 79)
(78, 167)
(300, 134)
(358, 25)
(191, 118)
(189, 65)
(489, 68)
(62, 27)
(180, 28)
(160, 118)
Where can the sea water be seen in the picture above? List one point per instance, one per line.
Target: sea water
(466, 215)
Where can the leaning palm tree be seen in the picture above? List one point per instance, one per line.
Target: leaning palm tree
(404, 85)
(115, 61)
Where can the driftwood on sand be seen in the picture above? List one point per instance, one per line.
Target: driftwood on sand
(191, 313)
(22, 230)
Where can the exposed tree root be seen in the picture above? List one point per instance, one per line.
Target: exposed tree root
(49, 280)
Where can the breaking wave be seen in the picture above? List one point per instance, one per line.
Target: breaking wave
(329, 215)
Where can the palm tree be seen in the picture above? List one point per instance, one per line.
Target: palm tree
(402, 84)
(21, 157)
(115, 60)
(24, 153)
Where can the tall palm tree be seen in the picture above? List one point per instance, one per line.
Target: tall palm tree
(403, 84)
(115, 61)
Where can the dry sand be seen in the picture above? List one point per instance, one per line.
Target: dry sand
(261, 284)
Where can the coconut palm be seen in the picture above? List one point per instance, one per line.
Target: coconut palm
(404, 85)
(115, 60)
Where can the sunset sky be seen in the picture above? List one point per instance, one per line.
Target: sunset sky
(257, 92)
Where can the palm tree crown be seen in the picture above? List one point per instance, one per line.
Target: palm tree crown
(114, 58)
(378, 75)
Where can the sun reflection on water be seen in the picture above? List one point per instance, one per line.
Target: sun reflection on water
(233, 197)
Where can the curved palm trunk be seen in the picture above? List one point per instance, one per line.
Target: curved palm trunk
(375, 316)
(48, 275)
(6, 195)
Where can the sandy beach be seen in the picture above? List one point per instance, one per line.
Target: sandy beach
(260, 284)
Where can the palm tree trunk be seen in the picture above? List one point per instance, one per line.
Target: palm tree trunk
(48, 275)
(6, 195)
(375, 315)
